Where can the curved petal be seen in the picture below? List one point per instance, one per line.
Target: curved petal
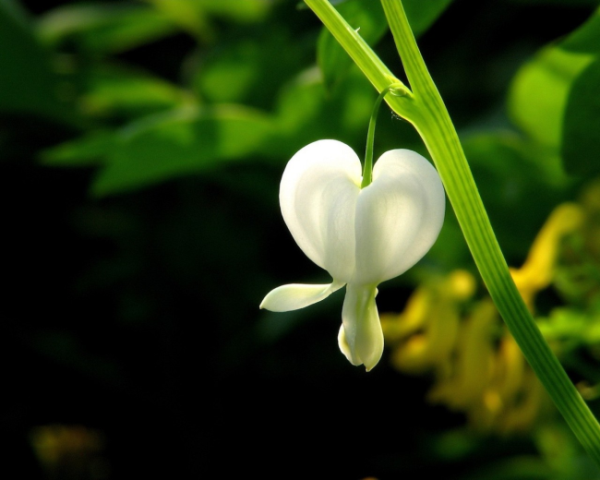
(318, 194)
(360, 337)
(295, 296)
(398, 217)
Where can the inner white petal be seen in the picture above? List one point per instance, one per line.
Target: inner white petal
(318, 195)
(399, 216)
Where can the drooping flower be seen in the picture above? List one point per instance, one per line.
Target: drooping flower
(361, 236)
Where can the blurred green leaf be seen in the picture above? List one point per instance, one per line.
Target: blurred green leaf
(194, 15)
(515, 468)
(571, 325)
(238, 11)
(368, 16)
(179, 143)
(586, 39)
(365, 15)
(249, 69)
(27, 82)
(116, 90)
(421, 15)
(306, 112)
(237, 67)
(494, 159)
(581, 133)
(187, 14)
(105, 27)
(538, 94)
(85, 151)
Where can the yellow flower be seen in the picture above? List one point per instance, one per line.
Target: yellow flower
(477, 365)
(538, 270)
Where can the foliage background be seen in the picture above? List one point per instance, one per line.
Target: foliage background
(141, 147)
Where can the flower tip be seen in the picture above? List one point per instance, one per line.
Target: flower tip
(372, 362)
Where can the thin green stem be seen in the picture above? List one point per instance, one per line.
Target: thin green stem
(395, 89)
(370, 64)
(424, 108)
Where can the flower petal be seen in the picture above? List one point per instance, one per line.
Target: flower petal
(318, 195)
(360, 337)
(295, 296)
(398, 217)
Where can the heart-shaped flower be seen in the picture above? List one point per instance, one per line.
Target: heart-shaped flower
(362, 237)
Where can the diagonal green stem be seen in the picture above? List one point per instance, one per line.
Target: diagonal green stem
(424, 108)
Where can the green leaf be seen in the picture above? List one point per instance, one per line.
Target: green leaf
(516, 468)
(243, 11)
(248, 69)
(27, 82)
(194, 16)
(586, 39)
(421, 15)
(86, 151)
(105, 27)
(539, 92)
(494, 159)
(180, 143)
(187, 14)
(305, 113)
(365, 15)
(581, 133)
(368, 17)
(115, 90)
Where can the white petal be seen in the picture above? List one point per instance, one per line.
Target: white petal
(399, 216)
(345, 348)
(295, 296)
(318, 195)
(360, 337)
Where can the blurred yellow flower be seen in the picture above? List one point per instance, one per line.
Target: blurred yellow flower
(69, 451)
(538, 270)
(477, 366)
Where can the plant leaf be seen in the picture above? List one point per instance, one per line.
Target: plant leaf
(27, 82)
(102, 27)
(86, 151)
(368, 16)
(365, 15)
(539, 92)
(182, 142)
(421, 15)
(117, 90)
(581, 132)
(586, 39)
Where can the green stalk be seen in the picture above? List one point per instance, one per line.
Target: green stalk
(424, 108)
(395, 89)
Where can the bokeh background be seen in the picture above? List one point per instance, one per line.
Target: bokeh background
(141, 148)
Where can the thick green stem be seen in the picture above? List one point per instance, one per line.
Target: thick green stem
(436, 128)
(424, 108)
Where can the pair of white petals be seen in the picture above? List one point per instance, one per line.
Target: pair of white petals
(362, 237)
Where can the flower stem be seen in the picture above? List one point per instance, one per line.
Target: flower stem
(395, 89)
(425, 109)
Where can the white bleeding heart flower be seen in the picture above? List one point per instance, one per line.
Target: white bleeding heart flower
(362, 237)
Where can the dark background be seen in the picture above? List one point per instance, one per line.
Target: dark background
(136, 314)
